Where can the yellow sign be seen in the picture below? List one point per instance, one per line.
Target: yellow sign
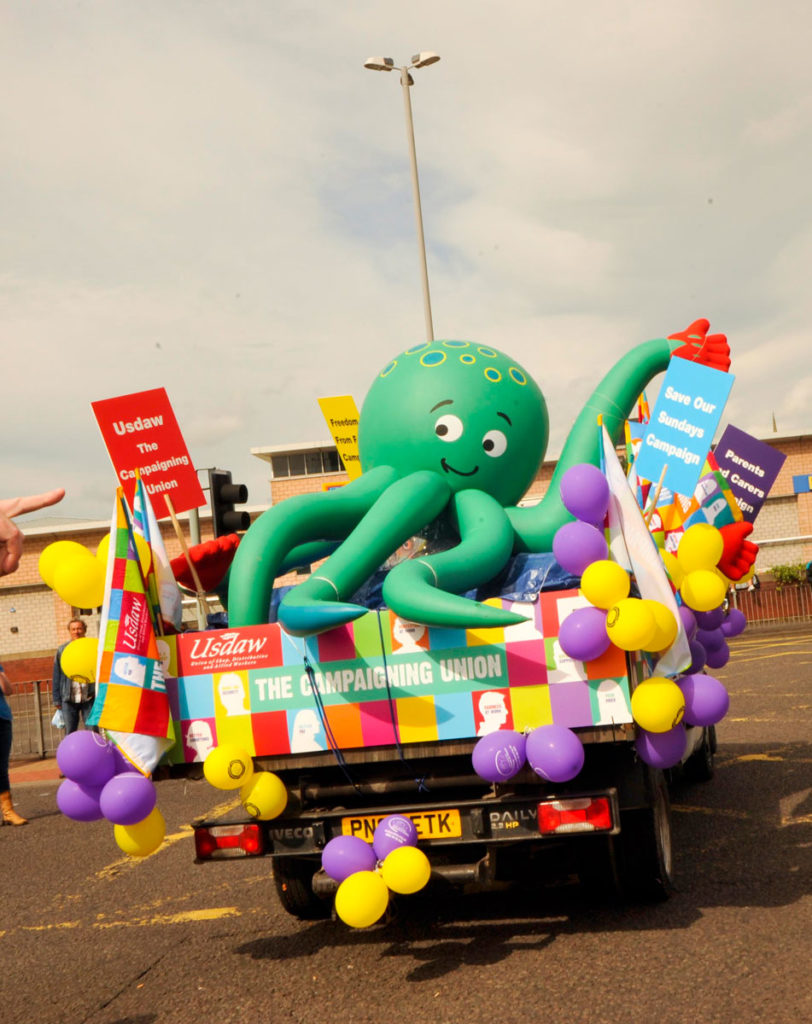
(341, 415)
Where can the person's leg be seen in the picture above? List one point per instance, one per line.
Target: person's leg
(70, 712)
(9, 815)
(5, 751)
(85, 708)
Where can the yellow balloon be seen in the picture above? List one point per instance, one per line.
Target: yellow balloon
(665, 626)
(406, 869)
(700, 547)
(53, 554)
(672, 567)
(142, 838)
(604, 583)
(658, 704)
(630, 625)
(264, 796)
(703, 590)
(228, 767)
(362, 899)
(141, 546)
(79, 581)
(78, 660)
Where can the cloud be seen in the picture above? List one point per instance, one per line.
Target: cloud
(217, 199)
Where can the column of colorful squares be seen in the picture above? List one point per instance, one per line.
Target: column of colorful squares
(381, 679)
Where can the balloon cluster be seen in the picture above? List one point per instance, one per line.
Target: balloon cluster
(660, 707)
(554, 752)
(580, 547)
(263, 794)
(366, 872)
(77, 575)
(100, 783)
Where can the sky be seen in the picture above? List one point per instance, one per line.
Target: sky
(214, 196)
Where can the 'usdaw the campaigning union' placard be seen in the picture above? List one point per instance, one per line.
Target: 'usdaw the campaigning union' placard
(141, 432)
(683, 422)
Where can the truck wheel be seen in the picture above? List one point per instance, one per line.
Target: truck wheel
(699, 766)
(293, 878)
(643, 847)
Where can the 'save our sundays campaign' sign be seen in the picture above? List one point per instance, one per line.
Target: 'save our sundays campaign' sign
(683, 422)
(141, 432)
(750, 467)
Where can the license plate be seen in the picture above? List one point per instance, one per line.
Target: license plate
(445, 824)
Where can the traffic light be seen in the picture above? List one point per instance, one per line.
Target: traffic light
(223, 495)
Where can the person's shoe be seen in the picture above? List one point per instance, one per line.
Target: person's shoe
(10, 816)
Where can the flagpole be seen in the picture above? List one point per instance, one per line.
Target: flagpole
(202, 620)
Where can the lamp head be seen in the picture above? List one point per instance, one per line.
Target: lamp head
(424, 58)
(379, 63)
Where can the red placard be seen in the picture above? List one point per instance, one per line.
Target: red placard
(141, 432)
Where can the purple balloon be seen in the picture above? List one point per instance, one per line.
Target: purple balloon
(86, 757)
(719, 656)
(128, 798)
(555, 753)
(585, 492)
(499, 755)
(661, 749)
(698, 656)
(706, 699)
(711, 619)
(582, 635)
(577, 545)
(344, 855)
(395, 830)
(688, 620)
(734, 623)
(81, 803)
(710, 638)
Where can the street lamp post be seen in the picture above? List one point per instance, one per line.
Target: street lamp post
(420, 60)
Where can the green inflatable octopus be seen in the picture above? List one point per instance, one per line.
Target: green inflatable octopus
(451, 435)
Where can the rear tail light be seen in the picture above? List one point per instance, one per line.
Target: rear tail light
(220, 841)
(589, 814)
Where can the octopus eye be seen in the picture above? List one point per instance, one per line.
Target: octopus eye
(494, 443)
(448, 428)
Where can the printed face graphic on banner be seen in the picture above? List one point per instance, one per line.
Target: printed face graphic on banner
(129, 669)
(199, 739)
(493, 712)
(307, 732)
(231, 691)
(407, 636)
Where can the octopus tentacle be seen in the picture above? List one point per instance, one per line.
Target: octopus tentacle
(613, 399)
(285, 528)
(321, 602)
(417, 589)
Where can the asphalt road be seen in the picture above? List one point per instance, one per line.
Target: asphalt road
(87, 935)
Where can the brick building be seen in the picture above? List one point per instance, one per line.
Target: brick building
(33, 619)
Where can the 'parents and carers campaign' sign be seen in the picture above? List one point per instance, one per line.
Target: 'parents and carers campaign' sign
(683, 422)
(750, 467)
(141, 432)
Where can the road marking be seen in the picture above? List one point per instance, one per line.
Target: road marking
(787, 806)
(184, 917)
(722, 812)
(111, 870)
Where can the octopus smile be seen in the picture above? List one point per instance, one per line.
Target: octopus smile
(459, 472)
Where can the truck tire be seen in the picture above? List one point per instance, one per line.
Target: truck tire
(699, 766)
(293, 878)
(643, 847)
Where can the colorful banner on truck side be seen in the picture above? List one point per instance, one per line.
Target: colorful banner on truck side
(251, 686)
